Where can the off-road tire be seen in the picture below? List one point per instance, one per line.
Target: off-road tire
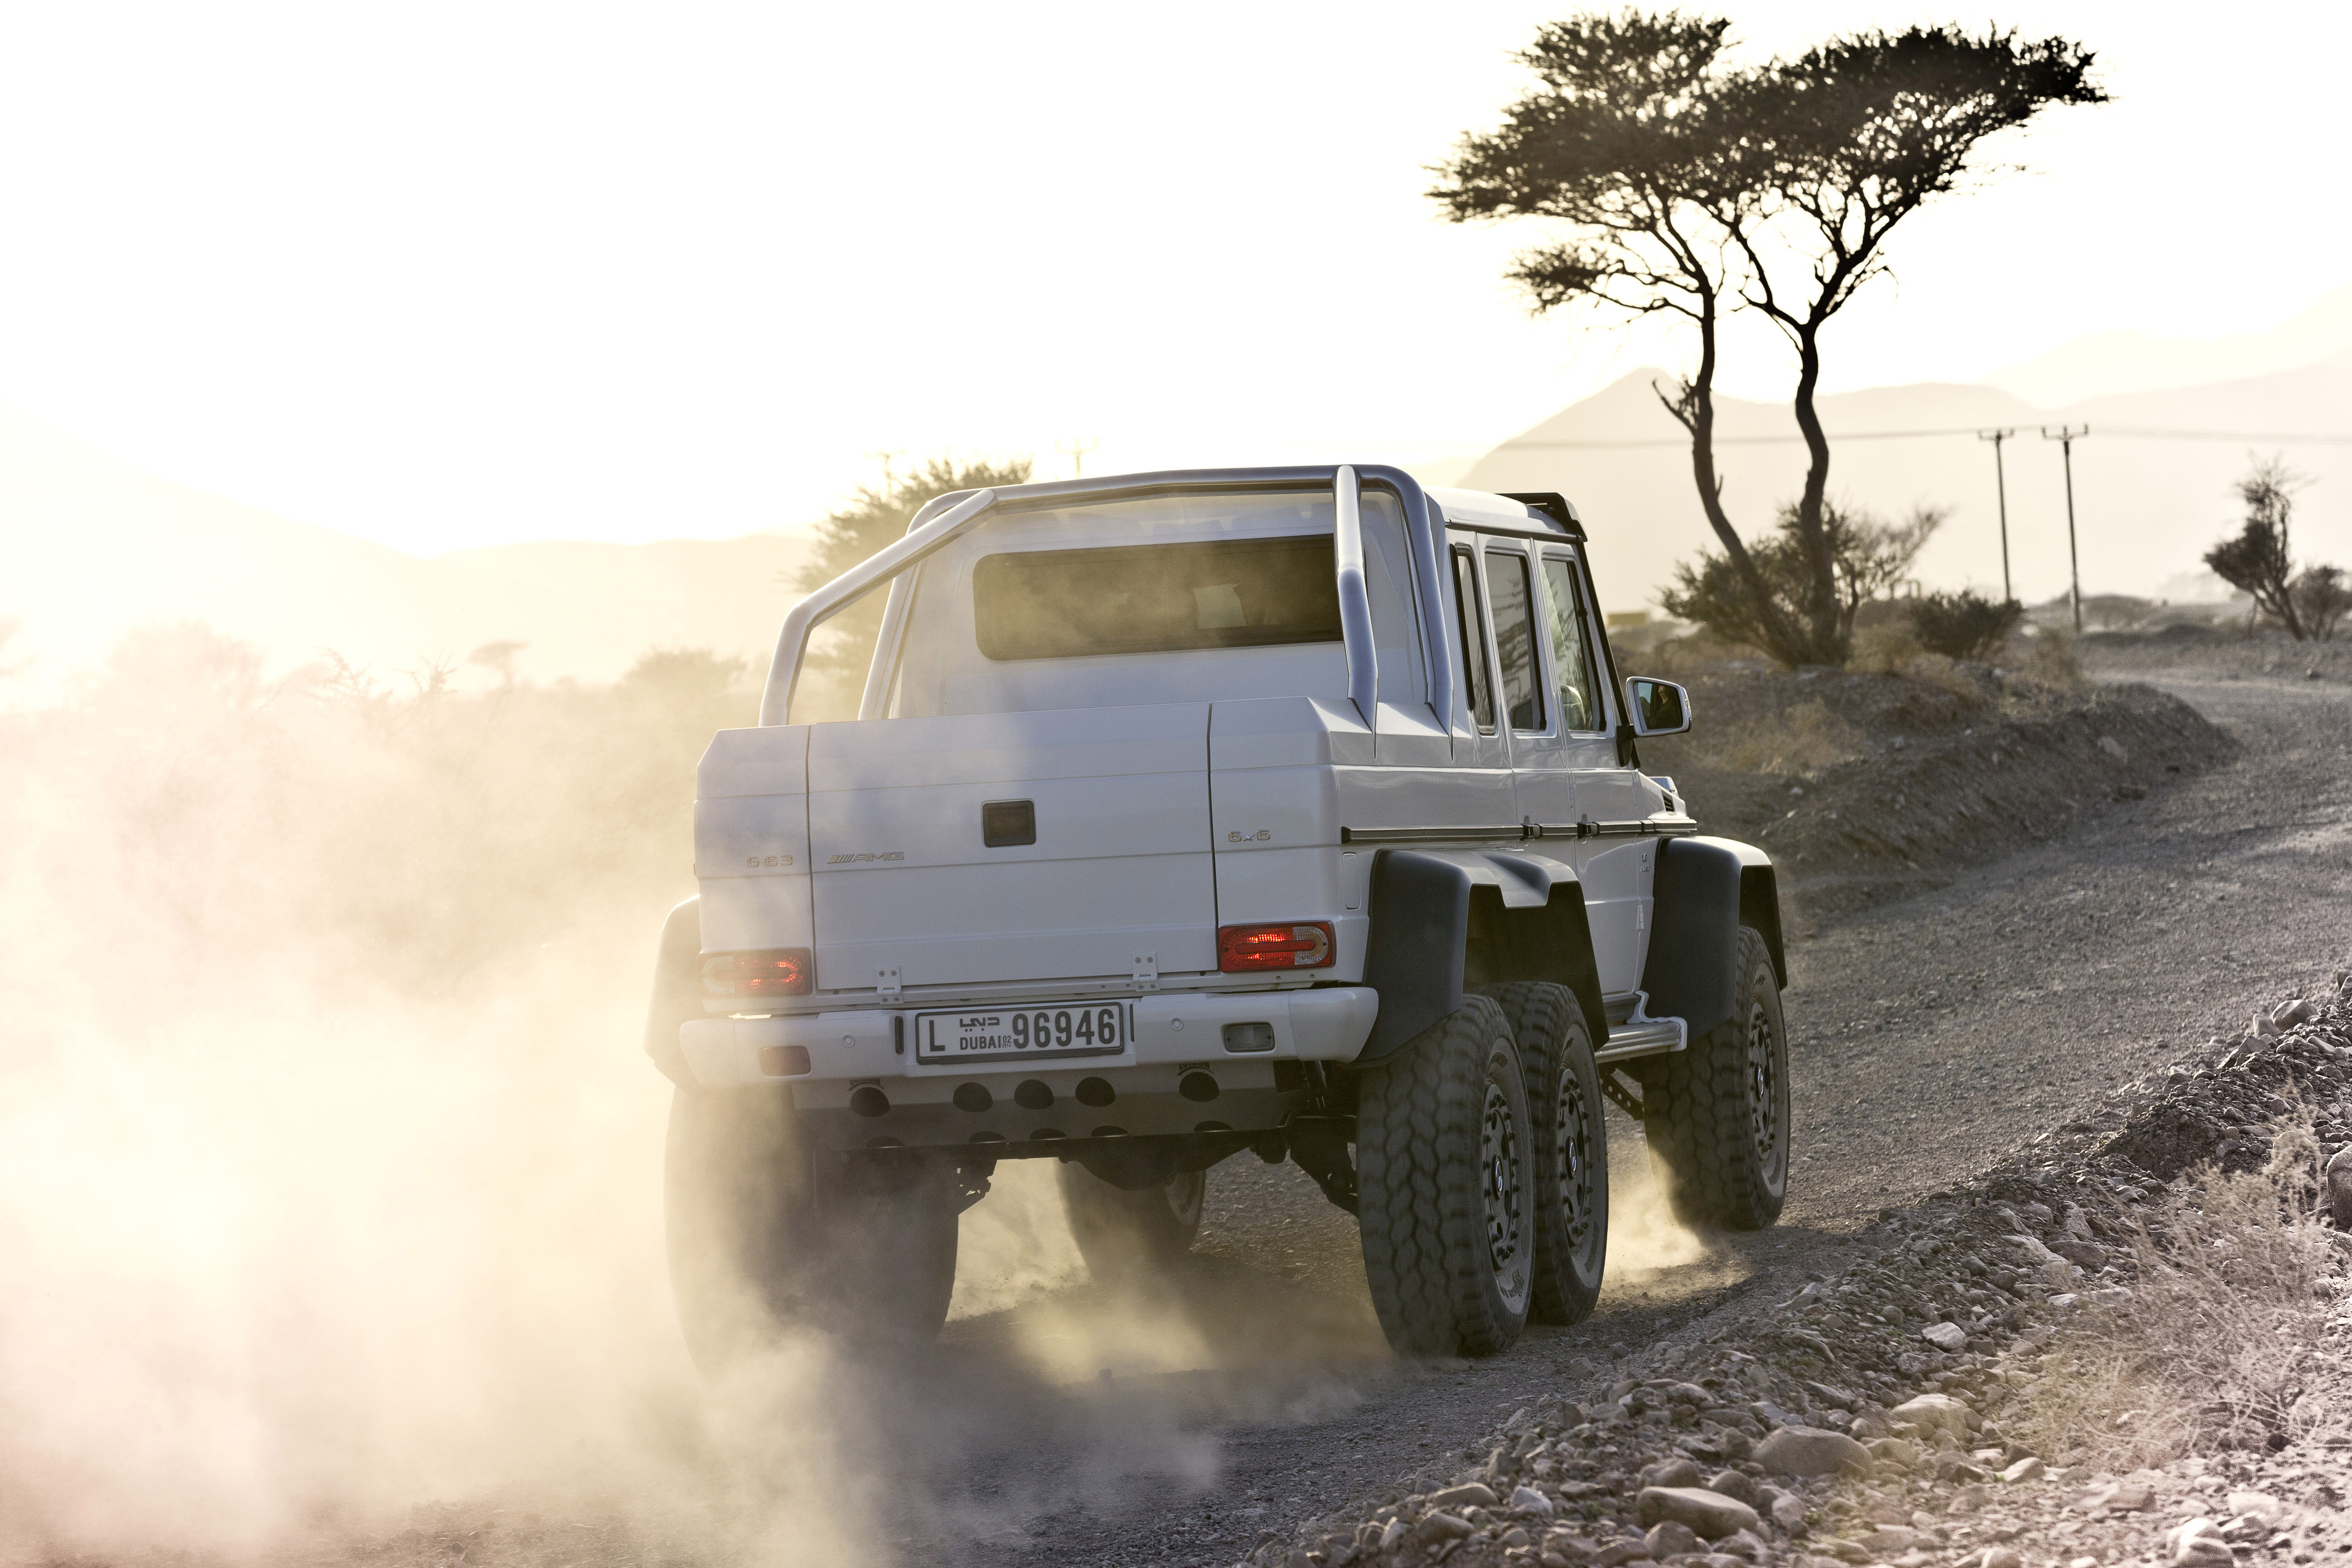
(767, 1233)
(1124, 1234)
(1717, 1115)
(1571, 1147)
(1444, 1160)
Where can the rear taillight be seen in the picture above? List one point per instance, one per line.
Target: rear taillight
(779, 971)
(1304, 945)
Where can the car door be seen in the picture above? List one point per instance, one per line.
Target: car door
(1576, 782)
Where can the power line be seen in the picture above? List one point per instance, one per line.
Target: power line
(2130, 431)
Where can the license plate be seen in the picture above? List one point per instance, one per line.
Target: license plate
(990, 1033)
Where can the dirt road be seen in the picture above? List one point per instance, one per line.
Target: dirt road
(1929, 1038)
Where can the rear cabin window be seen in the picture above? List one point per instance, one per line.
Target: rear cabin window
(1515, 636)
(1156, 598)
(1470, 630)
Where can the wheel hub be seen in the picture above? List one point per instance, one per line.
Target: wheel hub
(1572, 1130)
(1763, 1087)
(1498, 1149)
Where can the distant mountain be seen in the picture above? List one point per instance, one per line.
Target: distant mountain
(89, 547)
(2114, 362)
(2147, 505)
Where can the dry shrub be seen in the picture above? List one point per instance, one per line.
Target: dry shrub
(2214, 1349)
(2050, 660)
(1803, 738)
(1673, 657)
(1886, 649)
(1934, 670)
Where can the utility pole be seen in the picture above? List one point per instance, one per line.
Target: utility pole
(1076, 451)
(887, 493)
(2066, 436)
(2000, 488)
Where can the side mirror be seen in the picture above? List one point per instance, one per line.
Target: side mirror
(1656, 707)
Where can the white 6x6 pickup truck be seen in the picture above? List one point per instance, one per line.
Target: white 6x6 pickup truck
(1295, 811)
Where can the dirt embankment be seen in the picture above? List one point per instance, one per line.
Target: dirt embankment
(1867, 787)
(2072, 1361)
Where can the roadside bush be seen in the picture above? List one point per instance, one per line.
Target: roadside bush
(1965, 625)
(1802, 738)
(2050, 660)
(1868, 556)
(2211, 1351)
(1886, 649)
(2321, 599)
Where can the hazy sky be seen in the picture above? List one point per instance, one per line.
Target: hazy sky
(444, 275)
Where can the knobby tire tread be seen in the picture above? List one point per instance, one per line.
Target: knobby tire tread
(1695, 1116)
(1420, 1212)
(1544, 1019)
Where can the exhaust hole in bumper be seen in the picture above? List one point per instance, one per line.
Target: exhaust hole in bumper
(973, 1097)
(1096, 1091)
(1197, 1086)
(1033, 1095)
(868, 1100)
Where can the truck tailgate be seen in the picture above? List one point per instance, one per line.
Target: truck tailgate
(1120, 867)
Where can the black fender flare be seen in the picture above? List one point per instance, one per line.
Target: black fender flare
(1420, 906)
(1704, 891)
(677, 991)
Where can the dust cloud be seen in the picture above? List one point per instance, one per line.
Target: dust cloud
(1647, 1241)
(330, 1165)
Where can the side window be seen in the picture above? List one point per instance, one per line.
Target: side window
(1513, 594)
(1579, 695)
(1470, 634)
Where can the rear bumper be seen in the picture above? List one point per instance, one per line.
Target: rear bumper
(1143, 1089)
(1172, 1030)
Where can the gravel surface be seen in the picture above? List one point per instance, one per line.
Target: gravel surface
(1930, 1038)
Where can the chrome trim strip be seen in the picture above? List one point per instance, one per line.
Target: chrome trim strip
(1649, 827)
(1431, 835)
(1654, 1038)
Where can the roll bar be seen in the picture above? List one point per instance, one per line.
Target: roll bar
(945, 517)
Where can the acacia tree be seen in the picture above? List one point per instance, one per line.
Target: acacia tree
(1858, 134)
(1684, 182)
(1632, 141)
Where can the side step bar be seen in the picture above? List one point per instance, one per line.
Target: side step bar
(1643, 1035)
